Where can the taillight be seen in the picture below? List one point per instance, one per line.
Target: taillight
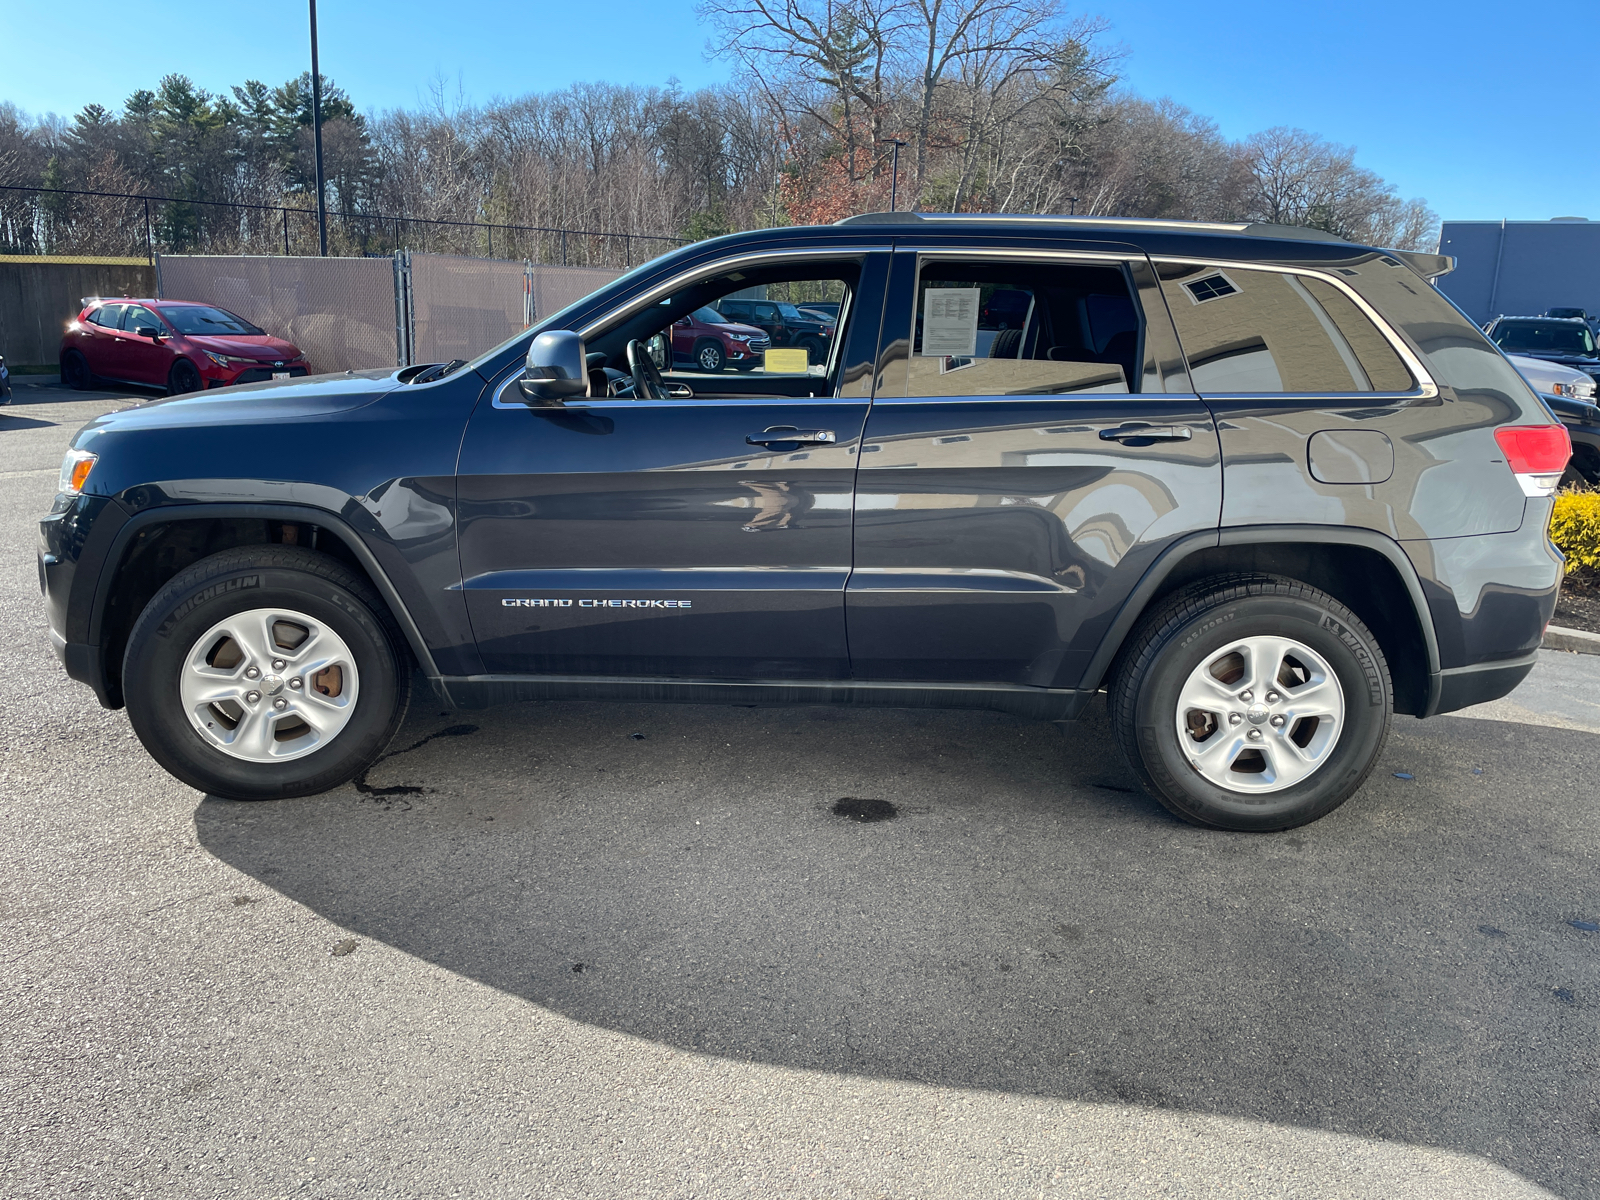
(1536, 454)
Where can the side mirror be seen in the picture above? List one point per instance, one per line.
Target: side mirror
(145, 331)
(555, 369)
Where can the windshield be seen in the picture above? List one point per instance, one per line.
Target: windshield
(1538, 337)
(790, 312)
(709, 316)
(202, 319)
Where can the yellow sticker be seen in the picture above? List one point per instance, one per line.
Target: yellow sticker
(790, 361)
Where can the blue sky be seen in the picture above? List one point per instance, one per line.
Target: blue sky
(1487, 110)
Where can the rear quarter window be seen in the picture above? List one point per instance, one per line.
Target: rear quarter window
(1250, 330)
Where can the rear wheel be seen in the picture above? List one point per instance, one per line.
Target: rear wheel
(1252, 703)
(184, 377)
(75, 371)
(265, 672)
(816, 351)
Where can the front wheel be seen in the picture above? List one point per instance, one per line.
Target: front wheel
(709, 358)
(265, 672)
(184, 377)
(1252, 703)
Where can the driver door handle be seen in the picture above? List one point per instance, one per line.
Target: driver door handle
(1147, 433)
(805, 437)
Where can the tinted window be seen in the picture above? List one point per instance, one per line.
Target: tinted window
(1247, 330)
(1549, 337)
(202, 319)
(1384, 369)
(1020, 329)
(108, 315)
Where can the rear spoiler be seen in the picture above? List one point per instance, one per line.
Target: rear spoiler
(1429, 266)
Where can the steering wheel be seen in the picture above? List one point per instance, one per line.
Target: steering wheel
(647, 381)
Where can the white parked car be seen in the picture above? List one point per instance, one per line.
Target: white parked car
(1552, 379)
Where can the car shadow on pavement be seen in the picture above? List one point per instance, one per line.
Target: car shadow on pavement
(10, 421)
(1025, 920)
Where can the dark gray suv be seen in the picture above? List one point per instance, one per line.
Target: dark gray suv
(1261, 487)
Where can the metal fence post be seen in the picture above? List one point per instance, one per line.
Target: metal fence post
(404, 313)
(529, 306)
(286, 233)
(149, 236)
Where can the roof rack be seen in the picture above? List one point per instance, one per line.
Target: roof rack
(1429, 266)
(1251, 228)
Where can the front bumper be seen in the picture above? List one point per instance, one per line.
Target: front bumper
(216, 377)
(74, 544)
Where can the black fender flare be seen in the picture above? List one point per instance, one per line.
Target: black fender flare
(297, 513)
(1138, 600)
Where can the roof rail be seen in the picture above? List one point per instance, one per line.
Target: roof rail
(1251, 228)
(918, 218)
(1429, 266)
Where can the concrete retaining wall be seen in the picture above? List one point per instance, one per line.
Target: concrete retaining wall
(38, 296)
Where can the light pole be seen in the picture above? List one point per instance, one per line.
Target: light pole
(316, 137)
(1073, 211)
(894, 177)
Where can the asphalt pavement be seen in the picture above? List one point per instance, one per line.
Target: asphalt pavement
(601, 950)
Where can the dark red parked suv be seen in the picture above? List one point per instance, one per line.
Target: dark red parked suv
(175, 344)
(711, 342)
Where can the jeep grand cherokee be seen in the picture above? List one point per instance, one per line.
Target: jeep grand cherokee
(1262, 487)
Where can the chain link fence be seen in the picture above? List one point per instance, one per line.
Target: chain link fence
(52, 221)
(341, 312)
(362, 313)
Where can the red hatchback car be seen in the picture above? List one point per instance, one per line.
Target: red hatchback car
(175, 344)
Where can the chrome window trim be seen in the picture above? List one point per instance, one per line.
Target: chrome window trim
(1426, 388)
(586, 404)
(1052, 398)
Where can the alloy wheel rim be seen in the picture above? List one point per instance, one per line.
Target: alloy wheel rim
(269, 685)
(1260, 714)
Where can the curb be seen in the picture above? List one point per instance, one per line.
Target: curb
(1574, 641)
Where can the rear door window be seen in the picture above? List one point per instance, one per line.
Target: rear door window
(1247, 330)
(108, 316)
(986, 328)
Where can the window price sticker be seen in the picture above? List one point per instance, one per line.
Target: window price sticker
(950, 322)
(788, 360)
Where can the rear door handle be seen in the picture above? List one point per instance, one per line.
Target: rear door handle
(778, 435)
(1147, 433)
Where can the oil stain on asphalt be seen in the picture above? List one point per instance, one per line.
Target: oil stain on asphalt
(853, 808)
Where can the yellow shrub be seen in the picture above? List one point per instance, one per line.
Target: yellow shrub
(1575, 528)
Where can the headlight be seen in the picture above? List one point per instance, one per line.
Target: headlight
(75, 468)
(225, 360)
(740, 337)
